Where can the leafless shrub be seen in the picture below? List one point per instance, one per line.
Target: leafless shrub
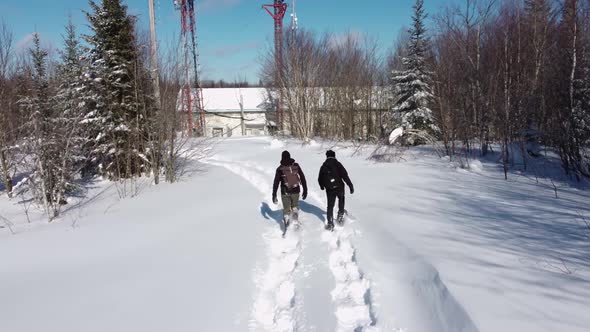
(7, 223)
(327, 86)
(389, 153)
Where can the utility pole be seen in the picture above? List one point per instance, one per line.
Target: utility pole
(154, 54)
(155, 69)
(242, 114)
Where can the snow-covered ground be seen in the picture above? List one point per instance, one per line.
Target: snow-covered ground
(426, 247)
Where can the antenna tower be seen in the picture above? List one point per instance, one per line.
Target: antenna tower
(277, 12)
(189, 40)
(293, 17)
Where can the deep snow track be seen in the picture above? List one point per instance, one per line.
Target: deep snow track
(352, 291)
(351, 294)
(275, 304)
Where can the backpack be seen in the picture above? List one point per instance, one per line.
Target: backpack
(331, 178)
(291, 176)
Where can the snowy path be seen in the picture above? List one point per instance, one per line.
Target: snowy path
(352, 293)
(428, 248)
(274, 306)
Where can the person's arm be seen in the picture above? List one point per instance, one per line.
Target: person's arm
(320, 175)
(345, 177)
(276, 183)
(303, 182)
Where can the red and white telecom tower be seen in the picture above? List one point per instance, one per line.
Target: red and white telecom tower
(189, 38)
(277, 12)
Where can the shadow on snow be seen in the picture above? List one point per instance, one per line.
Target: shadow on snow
(277, 215)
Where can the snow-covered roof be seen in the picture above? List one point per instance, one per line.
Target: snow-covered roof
(227, 100)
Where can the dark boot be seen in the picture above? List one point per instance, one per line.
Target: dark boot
(295, 218)
(330, 224)
(340, 218)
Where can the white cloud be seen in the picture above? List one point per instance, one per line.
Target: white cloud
(27, 41)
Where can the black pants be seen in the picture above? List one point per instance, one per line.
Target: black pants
(332, 194)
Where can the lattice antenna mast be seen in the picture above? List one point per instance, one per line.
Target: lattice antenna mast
(293, 17)
(189, 40)
(195, 55)
(277, 12)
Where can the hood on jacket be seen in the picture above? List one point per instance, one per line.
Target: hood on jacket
(331, 161)
(287, 162)
(286, 159)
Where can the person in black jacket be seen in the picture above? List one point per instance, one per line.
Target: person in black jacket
(332, 178)
(289, 175)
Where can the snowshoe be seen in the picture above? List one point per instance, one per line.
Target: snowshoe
(340, 219)
(295, 218)
(330, 226)
(285, 225)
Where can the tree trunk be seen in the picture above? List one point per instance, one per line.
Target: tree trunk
(6, 173)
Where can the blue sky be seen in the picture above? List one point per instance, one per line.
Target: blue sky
(233, 34)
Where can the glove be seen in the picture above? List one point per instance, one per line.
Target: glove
(304, 196)
(351, 190)
(274, 199)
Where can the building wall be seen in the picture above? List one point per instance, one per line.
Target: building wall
(222, 126)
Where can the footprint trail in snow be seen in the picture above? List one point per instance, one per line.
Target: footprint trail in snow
(274, 306)
(351, 294)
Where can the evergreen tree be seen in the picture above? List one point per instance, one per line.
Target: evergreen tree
(411, 86)
(70, 69)
(69, 112)
(42, 142)
(39, 102)
(114, 113)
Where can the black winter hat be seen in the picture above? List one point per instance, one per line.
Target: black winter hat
(330, 153)
(286, 155)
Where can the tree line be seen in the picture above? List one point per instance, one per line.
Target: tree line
(327, 85)
(475, 75)
(221, 83)
(513, 72)
(89, 111)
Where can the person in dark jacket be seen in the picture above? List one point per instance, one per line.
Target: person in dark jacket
(332, 178)
(289, 176)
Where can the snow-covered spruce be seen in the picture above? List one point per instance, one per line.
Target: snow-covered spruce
(117, 105)
(411, 87)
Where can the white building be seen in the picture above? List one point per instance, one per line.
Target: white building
(225, 108)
